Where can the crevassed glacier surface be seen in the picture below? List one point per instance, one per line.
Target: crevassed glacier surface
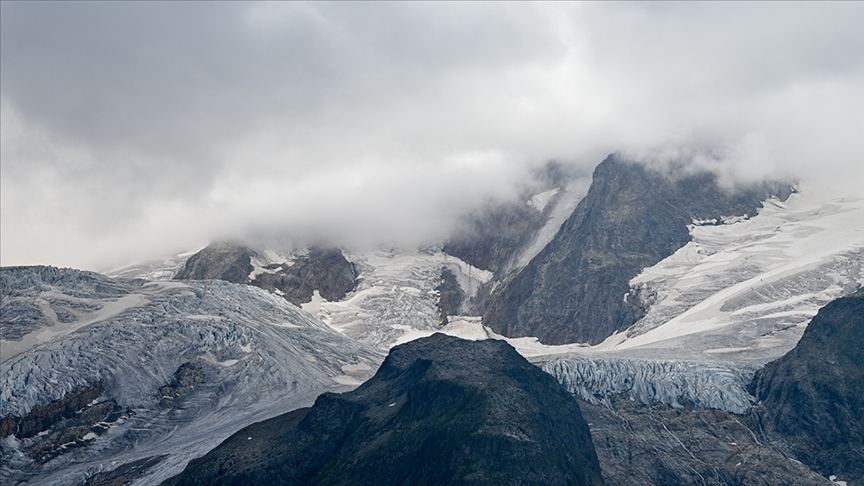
(261, 356)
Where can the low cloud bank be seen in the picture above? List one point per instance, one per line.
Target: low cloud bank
(134, 130)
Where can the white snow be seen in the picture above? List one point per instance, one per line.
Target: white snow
(157, 269)
(780, 265)
(465, 327)
(264, 258)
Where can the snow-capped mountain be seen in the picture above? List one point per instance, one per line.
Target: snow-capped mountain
(171, 367)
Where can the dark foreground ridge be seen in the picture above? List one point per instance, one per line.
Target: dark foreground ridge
(812, 399)
(440, 410)
(576, 289)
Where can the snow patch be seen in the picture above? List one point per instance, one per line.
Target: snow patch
(539, 201)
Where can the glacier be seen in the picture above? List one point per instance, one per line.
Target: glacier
(261, 356)
(701, 384)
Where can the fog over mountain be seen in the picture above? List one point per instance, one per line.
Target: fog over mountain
(132, 130)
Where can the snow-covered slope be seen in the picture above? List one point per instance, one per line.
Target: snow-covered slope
(164, 268)
(747, 290)
(260, 356)
(395, 295)
(737, 296)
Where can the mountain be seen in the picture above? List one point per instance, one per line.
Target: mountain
(632, 218)
(440, 410)
(111, 380)
(99, 373)
(812, 399)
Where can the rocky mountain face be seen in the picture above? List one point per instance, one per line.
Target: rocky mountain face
(125, 380)
(812, 399)
(322, 269)
(440, 410)
(576, 289)
(219, 261)
(493, 234)
(660, 445)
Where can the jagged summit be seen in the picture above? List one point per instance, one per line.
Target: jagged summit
(440, 410)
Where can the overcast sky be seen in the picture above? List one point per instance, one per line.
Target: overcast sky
(132, 130)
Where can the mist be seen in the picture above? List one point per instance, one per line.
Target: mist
(133, 130)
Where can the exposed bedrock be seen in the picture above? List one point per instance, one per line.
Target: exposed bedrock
(659, 445)
(323, 269)
(41, 418)
(440, 410)
(631, 218)
(450, 296)
(492, 235)
(812, 399)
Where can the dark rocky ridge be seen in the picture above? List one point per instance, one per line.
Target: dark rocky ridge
(322, 269)
(632, 217)
(812, 399)
(440, 410)
(62, 425)
(219, 261)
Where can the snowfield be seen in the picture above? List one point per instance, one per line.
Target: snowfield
(747, 290)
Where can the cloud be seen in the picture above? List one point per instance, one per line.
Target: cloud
(134, 129)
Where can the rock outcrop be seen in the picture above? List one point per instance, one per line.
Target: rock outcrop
(322, 269)
(40, 419)
(812, 399)
(450, 296)
(632, 217)
(440, 410)
(660, 446)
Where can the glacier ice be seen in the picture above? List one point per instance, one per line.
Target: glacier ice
(261, 356)
(704, 384)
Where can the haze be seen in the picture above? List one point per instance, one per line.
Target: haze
(132, 130)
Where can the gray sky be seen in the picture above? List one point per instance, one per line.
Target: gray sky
(131, 130)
